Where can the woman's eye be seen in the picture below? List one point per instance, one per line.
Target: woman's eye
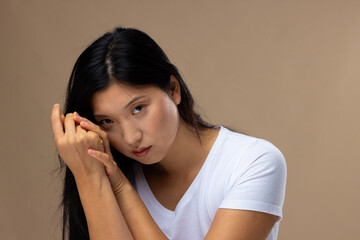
(105, 122)
(137, 109)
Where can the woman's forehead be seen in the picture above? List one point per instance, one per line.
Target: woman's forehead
(122, 94)
(125, 91)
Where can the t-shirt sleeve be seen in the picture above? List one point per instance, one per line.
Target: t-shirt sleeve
(258, 181)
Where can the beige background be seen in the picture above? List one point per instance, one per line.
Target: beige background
(286, 71)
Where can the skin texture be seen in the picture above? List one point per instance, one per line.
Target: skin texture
(73, 143)
(151, 120)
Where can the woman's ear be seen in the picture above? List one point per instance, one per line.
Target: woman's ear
(175, 91)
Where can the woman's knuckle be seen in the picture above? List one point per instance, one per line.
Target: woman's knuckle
(58, 142)
(105, 156)
(93, 136)
(71, 140)
(61, 143)
(81, 138)
(103, 134)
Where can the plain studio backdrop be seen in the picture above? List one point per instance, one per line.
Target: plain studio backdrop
(286, 71)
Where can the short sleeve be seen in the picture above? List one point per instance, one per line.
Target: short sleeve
(258, 181)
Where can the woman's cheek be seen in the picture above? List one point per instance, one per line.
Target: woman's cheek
(168, 120)
(115, 141)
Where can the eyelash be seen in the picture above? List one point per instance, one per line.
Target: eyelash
(141, 106)
(103, 123)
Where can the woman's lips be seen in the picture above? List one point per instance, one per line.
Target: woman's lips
(142, 151)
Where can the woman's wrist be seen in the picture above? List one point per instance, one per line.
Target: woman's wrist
(123, 188)
(103, 215)
(136, 214)
(93, 181)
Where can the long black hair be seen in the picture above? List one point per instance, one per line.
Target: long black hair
(128, 56)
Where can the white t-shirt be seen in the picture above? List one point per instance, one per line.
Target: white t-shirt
(240, 172)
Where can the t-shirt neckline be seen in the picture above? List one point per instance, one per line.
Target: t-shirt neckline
(153, 200)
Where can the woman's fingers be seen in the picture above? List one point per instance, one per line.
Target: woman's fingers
(108, 162)
(72, 143)
(95, 138)
(56, 122)
(60, 123)
(116, 177)
(90, 126)
(80, 130)
(69, 123)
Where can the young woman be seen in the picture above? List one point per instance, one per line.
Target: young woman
(141, 164)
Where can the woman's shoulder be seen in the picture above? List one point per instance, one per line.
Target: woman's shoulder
(245, 149)
(236, 141)
(244, 158)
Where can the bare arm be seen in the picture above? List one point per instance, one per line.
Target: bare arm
(138, 218)
(228, 223)
(231, 224)
(136, 215)
(103, 215)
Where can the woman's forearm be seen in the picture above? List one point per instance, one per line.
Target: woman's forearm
(127, 202)
(138, 218)
(103, 215)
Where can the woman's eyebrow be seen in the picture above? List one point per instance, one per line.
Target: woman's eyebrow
(132, 101)
(127, 105)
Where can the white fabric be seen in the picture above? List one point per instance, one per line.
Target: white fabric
(240, 172)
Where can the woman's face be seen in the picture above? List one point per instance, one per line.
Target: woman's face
(137, 118)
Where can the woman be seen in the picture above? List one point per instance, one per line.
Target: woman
(141, 164)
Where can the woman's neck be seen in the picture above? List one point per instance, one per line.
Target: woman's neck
(187, 154)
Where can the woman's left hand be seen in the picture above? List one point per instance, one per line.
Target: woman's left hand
(115, 175)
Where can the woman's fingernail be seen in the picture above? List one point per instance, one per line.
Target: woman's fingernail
(56, 105)
(77, 116)
(84, 123)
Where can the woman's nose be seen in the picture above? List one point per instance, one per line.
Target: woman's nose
(132, 135)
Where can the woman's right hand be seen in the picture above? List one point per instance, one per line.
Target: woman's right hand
(73, 142)
(116, 177)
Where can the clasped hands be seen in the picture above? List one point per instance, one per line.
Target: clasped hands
(85, 148)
